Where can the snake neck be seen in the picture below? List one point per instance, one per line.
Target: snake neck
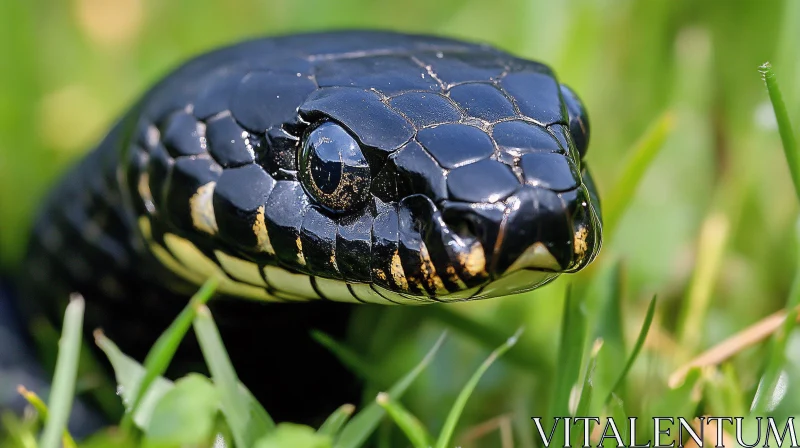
(86, 240)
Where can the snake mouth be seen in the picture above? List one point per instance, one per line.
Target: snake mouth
(547, 231)
(535, 233)
(457, 247)
(531, 237)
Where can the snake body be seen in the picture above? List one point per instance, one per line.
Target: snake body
(343, 169)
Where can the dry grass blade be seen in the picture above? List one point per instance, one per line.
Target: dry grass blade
(501, 423)
(41, 408)
(710, 434)
(731, 346)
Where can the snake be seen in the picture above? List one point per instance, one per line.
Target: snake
(312, 174)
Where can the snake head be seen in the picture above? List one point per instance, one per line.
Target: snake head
(476, 191)
(415, 170)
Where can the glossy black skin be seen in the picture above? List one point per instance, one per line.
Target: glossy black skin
(451, 133)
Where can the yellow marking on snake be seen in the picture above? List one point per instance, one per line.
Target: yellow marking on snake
(474, 262)
(333, 261)
(174, 265)
(144, 191)
(190, 256)
(260, 230)
(580, 245)
(144, 228)
(398, 274)
(535, 256)
(243, 270)
(452, 275)
(429, 271)
(164, 256)
(202, 209)
(289, 282)
(300, 257)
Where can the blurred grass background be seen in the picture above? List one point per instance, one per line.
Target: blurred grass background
(69, 68)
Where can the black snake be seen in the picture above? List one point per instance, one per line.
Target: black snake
(336, 168)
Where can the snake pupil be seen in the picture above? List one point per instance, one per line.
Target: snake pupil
(326, 168)
(333, 170)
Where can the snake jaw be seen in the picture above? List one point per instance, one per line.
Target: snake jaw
(532, 236)
(529, 238)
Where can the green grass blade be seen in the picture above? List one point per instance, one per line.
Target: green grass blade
(571, 351)
(524, 354)
(16, 432)
(606, 289)
(648, 320)
(458, 407)
(710, 253)
(260, 420)
(680, 401)
(160, 355)
(234, 404)
(364, 423)
(406, 421)
(349, 358)
(41, 408)
(784, 124)
(63, 392)
(290, 435)
(34, 400)
(777, 354)
(336, 420)
(588, 389)
(185, 415)
(641, 156)
(616, 410)
(128, 373)
(384, 434)
(604, 306)
(111, 437)
(769, 380)
(724, 394)
(103, 390)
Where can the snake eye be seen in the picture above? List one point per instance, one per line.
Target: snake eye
(333, 170)
(578, 119)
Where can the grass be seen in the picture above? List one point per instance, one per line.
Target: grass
(694, 155)
(62, 395)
